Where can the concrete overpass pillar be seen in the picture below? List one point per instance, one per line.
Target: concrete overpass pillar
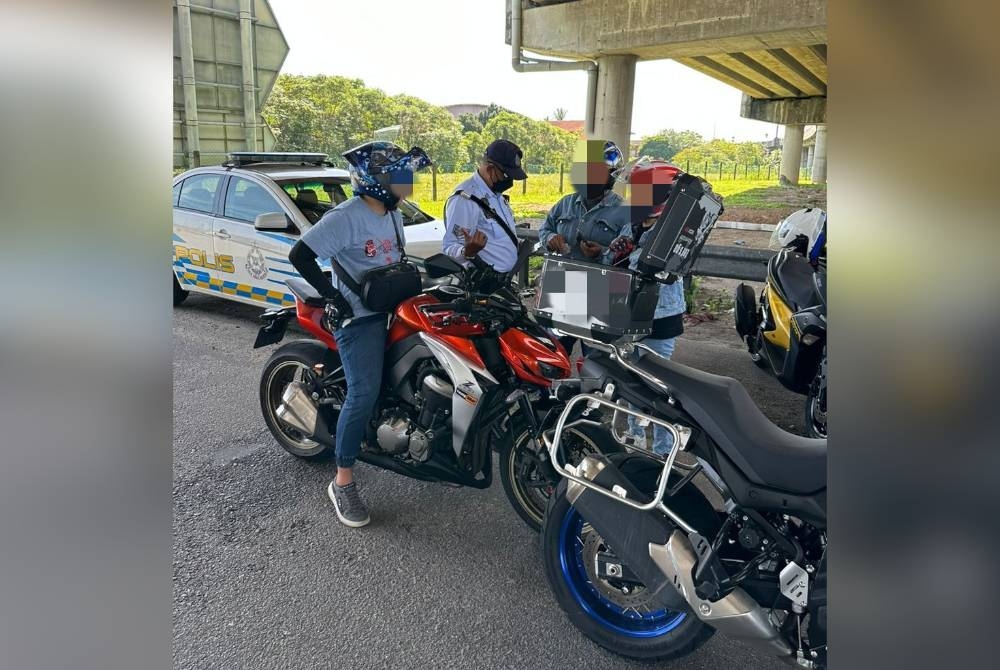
(791, 155)
(819, 159)
(615, 88)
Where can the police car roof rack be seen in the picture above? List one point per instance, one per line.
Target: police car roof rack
(242, 158)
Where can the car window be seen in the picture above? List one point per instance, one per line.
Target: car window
(198, 192)
(177, 192)
(245, 200)
(412, 214)
(315, 194)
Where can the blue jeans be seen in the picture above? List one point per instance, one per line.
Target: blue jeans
(362, 350)
(663, 441)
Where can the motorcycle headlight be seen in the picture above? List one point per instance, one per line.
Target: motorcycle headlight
(809, 339)
(549, 371)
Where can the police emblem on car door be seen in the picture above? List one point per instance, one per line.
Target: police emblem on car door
(256, 264)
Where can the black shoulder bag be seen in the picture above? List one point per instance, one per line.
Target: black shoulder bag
(382, 289)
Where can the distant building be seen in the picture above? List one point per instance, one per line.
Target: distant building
(575, 127)
(458, 110)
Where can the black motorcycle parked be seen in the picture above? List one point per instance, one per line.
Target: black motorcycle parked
(636, 553)
(648, 555)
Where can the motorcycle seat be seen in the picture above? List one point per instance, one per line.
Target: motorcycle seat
(304, 291)
(793, 277)
(767, 455)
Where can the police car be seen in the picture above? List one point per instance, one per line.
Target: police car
(235, 223)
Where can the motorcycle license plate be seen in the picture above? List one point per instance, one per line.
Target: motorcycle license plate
(273, 330)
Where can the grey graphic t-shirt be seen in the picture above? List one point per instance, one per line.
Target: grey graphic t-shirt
(359, 239)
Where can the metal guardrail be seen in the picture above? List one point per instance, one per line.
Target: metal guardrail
(714, 261)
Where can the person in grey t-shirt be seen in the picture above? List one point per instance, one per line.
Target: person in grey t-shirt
(361, 233)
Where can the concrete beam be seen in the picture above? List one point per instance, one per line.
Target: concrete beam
(791, 155)
(788, 111)
(654, 29)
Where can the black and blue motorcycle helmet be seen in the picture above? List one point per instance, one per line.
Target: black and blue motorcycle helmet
(375, 166)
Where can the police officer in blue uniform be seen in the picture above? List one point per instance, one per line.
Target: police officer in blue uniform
(478, 218)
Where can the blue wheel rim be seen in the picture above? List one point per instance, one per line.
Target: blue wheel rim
(602, 610)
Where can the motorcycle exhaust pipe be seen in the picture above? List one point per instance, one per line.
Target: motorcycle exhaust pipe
(297, 409)
(627, 531)
(736, 615)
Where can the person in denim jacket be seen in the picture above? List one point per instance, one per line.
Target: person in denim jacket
(583, 223)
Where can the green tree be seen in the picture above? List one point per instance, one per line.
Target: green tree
(472, 147)
(430, 127)
(559, 114)
(541, 142)
(667, 143)
(489, 113)
(333, 114)
(470, 123)
(720, 151)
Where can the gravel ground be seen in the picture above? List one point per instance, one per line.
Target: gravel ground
(265, 576)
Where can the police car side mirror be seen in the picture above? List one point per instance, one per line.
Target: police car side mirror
(271, 221)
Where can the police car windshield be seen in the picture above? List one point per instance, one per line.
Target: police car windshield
(314, 197)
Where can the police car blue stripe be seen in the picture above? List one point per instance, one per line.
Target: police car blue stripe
(280, 238)
(178, 238)
(284, 272)
(279, 260)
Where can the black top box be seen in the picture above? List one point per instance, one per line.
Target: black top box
(680, 233)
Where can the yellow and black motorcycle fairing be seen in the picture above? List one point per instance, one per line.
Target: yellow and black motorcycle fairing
(786, 332)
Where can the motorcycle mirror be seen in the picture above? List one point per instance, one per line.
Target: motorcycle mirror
(441, 265)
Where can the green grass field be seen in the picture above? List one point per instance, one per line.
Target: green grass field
(542, 191)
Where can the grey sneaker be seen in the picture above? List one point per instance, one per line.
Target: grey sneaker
(350, 509)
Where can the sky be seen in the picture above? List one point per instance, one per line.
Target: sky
(453, 51)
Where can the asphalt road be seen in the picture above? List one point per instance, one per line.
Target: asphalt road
(265, 576)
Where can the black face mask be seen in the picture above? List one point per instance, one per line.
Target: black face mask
(591, 192)
(502, 185)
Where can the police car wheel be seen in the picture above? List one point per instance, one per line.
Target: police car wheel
(179, 293)
(289, 364)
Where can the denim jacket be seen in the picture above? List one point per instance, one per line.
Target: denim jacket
(601, 224)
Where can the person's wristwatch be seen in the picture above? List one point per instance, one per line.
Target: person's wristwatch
(466, 255)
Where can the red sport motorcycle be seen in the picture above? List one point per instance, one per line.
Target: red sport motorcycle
(467, 371)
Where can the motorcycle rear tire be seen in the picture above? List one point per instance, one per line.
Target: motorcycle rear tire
(301, 353)
(680, 640)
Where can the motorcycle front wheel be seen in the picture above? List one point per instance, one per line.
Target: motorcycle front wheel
(529, 482)
(292, 362)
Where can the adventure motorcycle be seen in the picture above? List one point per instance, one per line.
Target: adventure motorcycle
(786, 332)
(637, 554)
(648, 554)
(466, 369)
